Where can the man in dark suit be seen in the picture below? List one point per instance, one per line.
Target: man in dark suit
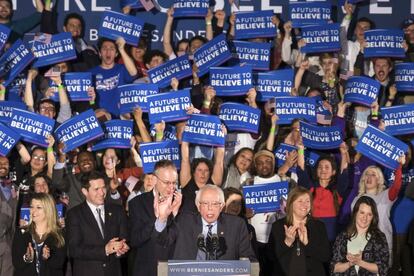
(96, 231)
(194, 235)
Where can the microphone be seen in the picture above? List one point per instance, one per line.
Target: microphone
(200, 242)
(214, 242)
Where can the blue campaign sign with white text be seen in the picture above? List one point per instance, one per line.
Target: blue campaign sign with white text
(320, 137)
(135, 95)
(254, 25)
(190, 8)
(404, 76)
(384, 43)
(309, 13)
(381, 147)
(178, 68)
(321, 38)
(399, 119)
(6, 109)
(204, 129)
(231, 81)
(79, 130)
(361, 90)
(115, 24)
(292, 107)
(240, 117)
(264, 198)
(213, 53)
(273, 84)
(8, 139)
(4, 35)
(77, 85)
(255, 54)
(280, 154)
(169, 107)
(153, 152)
(33, 128)
(170, 132)
(118, 135)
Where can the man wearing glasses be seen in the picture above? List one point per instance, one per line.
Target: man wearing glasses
(194, 235)
(142, 219)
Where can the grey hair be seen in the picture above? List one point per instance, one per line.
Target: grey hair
(209, 187)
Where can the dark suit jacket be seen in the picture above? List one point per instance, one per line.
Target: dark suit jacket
(141, 226)
(234, 238)
(86, 245)
(53, 266)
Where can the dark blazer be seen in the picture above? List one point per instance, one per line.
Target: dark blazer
(317, 251)
(53, 266)
(141, 226)
(234, 238)
(86, 245)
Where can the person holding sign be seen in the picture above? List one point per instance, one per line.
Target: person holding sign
(362, 248)
(372, 184)
(299, 242)
(330, 187)
(40, 248)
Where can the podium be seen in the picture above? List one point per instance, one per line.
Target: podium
(207, 268)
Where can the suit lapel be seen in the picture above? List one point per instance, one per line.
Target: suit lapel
(108, 220)
(89, 216)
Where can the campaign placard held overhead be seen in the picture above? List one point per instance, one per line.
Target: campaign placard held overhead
(231, 81)
(6, 109)
(254, 54)
(317, 137)
(240, 117)
(204, 129)
(264, 198)
(170, 132)
(114, 25)
(135, 95)
(14, 61)
(404, 76)
(399, 119)
(178, 68)
(8, 139)
(321, 38)
(79, 130)
(153, 152)
(190, 8)
(118, 135)
(254, 25)
(384, 43)
(213, 53)
(309, 13)
(77, 86)
(361, 90)
(169, 107)
(290, 108)
(4, 35)
(381, 147)
(32, 127)
(273, 84)
(281, 152)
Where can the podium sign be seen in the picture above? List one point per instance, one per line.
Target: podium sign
(209, 268)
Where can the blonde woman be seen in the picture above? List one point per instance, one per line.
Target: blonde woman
(39, 249)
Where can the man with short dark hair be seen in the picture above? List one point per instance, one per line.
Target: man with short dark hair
(96, 231)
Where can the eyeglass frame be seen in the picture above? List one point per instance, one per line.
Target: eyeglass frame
(168, 183)
(214, 204)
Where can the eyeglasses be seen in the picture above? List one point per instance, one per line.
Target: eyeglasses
(47, 109)
(38, 157)
(168, 183)
(214, 204)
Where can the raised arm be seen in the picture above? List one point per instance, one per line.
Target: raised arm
(28, 92)
(166, 43)
(395, 188)
(218, 169)
(146, 137)
(129, 64)
(185, 170)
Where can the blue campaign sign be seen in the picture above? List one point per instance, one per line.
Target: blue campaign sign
(381, 147)
(209, 268)
(170, 132)
(79, 130)
(399, 119)
(273, 84)
(59, 49)
(384, 43)
(291, 107)
(311, 158)
(204, 130)
(133, 4)
(240, 117)
(33, 127)
(404, 76)
(4, 35)
(114, 25)
(317, 137)
(8, 139)
(280, 154)
(25, 214)
(178, 68)
(6, 109)
(361, 90)
(118, 134)
(254, 25)
(255, 54)
(77, 85)
(231, 81)
(264, 198)
(151, 153)
(135, 95)
(321, 38)
(190, 8)
(14, 60)
(59, 210)
(169, 107)
(309, 13)
(213, 53)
